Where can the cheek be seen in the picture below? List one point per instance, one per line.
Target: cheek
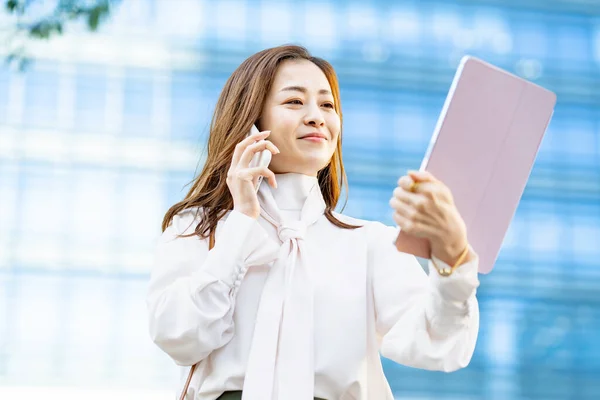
(287, 122)
(278, 122)
(334, 125)
(284, 126)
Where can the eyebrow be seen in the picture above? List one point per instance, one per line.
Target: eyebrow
(302, 89)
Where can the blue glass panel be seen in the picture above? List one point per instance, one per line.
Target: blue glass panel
(41, 96)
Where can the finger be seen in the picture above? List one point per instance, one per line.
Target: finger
(411, 199)
(434, 191)
(427, 188)
(412, 184)
(421, 176)
(412, 227)
(396, 203)
(252, 149)
(401, 207)
(252, 174)
(406, 182)
(406, 224)
(408, 212)
(414, 213)
(241, 146)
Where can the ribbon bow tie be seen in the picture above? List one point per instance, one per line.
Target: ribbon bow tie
(291, 230)
(281, 361)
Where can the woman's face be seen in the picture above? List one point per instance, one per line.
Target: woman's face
(299, 111)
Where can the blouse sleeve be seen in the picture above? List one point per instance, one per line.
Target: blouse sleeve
(423, 321)
(192, 290)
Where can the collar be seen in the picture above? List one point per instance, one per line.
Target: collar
(293, 190)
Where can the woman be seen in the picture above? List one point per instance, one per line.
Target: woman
(276, 296)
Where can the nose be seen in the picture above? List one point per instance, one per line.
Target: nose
(314, 116)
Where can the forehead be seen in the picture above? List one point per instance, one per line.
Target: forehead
(300, 73)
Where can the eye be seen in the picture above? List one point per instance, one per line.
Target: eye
(295, 102)
(328, 105)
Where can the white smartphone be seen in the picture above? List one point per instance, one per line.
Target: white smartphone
(260, 159)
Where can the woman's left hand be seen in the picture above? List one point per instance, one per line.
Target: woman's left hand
(427, 210)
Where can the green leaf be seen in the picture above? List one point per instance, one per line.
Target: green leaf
(11, 5)
(40, 30)
(76, 12)
(95, 14)
(45, 28)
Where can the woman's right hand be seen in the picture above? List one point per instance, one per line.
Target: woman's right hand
(241, 178)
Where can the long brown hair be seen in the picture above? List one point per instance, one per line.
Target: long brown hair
(239, 106)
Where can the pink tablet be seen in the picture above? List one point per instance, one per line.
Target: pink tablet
(483, 148)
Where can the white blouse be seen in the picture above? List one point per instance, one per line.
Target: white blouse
(369, 299)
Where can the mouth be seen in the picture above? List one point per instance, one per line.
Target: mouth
(314, 137)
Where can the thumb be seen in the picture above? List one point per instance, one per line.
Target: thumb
(421, 176)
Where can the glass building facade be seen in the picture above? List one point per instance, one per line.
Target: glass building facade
(99, 136)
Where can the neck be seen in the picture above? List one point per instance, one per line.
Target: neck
(292, 190)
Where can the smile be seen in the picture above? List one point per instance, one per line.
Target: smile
(315, 139)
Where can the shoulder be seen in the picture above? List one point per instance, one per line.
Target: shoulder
(351, 220)
(185, 221)
(374, 230)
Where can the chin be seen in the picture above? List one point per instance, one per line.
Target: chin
(307, 167)
(316, 164)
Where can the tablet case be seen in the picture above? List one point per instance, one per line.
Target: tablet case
(483, 148)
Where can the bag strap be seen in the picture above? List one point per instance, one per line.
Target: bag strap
(211, 244)
(187, 382)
